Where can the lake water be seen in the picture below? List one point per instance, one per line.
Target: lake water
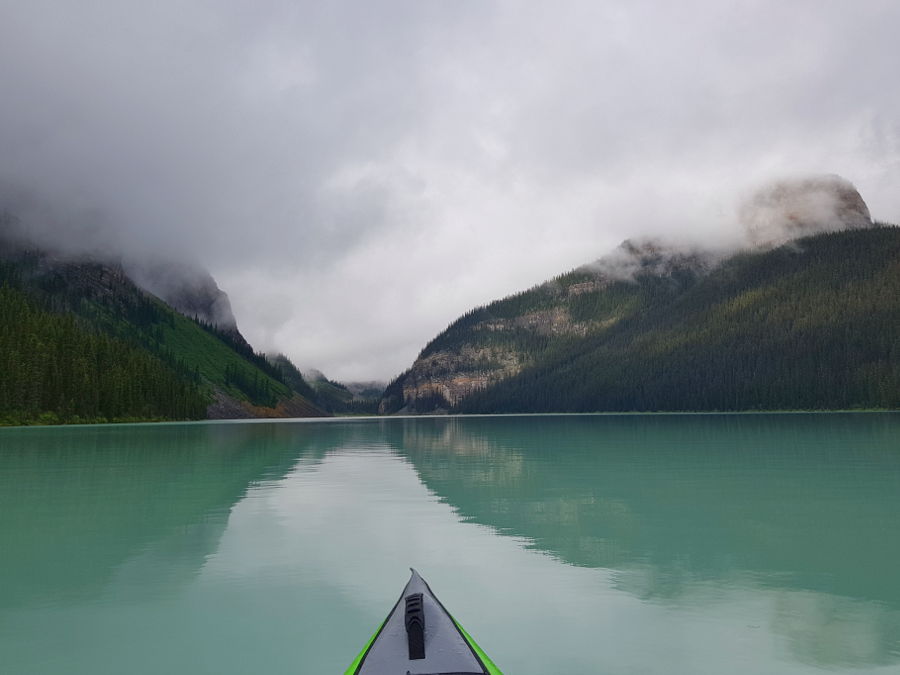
(564, 544)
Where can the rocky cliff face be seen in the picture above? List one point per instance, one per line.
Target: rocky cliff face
(70, 278)
(446, 377)
(189, 289)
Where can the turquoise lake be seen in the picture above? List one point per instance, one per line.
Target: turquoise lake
(686, 544)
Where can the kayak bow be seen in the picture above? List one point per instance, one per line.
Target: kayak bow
(419, 637)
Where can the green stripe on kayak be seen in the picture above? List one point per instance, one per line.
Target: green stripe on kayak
(485, 659)
(491, 668)
(394, 649)
(358, 659)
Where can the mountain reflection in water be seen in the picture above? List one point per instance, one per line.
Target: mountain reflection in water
(805, 505)
(571, 544)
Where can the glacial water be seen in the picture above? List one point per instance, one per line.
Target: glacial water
(564, 544)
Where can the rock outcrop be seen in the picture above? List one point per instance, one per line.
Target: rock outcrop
(190, 289)
(443, 378)
(801, 207)
(225, 407)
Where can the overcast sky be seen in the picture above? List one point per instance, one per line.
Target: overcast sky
(357, 174)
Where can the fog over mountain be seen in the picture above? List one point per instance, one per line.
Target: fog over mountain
(355, 175)
(799, 207)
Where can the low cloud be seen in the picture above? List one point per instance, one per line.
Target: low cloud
(796, 207)
(768, 216)
(654, 257)
(356, 176)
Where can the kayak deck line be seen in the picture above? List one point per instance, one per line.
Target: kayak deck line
(420, 637)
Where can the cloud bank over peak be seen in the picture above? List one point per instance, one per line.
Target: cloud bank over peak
(773, 214)
(797, 207)
(355, 175)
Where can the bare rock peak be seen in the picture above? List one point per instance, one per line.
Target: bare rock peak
(188, 288)
(798, 207)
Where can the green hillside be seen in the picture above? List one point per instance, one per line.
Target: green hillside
(809, 325)
(96, 310)
(55, 369)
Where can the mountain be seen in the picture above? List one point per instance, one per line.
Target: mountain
(188, 289)
(82, 341)
(353, 398)
(367, 389)
(807, 324)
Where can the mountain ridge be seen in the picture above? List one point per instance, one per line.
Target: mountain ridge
(569, 344)
(96, 299)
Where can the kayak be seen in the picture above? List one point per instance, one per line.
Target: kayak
(419, 637)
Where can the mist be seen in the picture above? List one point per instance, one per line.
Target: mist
(355, 176)
(775, 213)
(802, 206)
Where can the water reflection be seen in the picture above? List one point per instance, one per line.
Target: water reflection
(796, 500)
(738, 544)
(808, 506)
(76, 505)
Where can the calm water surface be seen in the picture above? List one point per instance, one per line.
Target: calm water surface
(565, 544)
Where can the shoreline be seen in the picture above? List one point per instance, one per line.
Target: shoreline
(369, 418)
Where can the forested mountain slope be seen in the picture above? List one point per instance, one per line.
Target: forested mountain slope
(80, 341)
(811, 324)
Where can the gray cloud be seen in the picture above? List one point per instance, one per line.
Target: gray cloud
(356, 174)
